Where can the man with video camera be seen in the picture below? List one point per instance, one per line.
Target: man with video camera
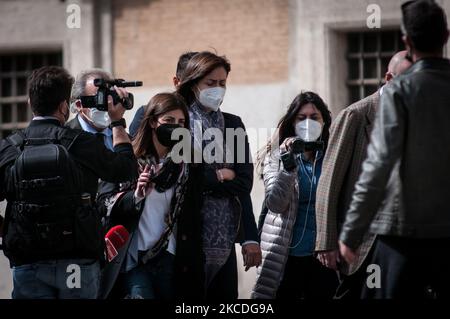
(49, 174)
(90, 103)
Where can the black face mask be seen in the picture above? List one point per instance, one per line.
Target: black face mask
(164, 134)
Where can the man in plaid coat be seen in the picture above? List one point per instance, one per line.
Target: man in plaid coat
(349, 137)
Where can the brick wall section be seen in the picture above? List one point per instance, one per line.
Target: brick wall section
(149, 35)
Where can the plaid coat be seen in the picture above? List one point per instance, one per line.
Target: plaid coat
(349, 137)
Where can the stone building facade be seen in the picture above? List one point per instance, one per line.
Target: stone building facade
(277, 48)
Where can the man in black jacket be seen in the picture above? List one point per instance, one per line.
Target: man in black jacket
(406, 175)
(52, 232)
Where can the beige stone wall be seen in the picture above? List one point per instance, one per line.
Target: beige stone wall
(38, 25)
(318, 43)
(148, 37)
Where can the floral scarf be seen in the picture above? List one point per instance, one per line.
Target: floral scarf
(220, 215)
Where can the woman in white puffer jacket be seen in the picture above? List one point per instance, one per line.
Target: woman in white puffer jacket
(289, 269)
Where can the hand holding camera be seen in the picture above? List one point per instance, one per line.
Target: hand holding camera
(287, 157)
(287, 144)
(295, 145)
(111, 96)
(116, 110)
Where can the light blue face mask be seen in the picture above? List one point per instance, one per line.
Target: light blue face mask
(212, 98)
(99, 118)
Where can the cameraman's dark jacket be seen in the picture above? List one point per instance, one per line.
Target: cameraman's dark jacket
(89, 152)
(406, 177)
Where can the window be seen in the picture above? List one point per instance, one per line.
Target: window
(368, 57)
(14, 71)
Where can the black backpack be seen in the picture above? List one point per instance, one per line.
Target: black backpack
(48, 218)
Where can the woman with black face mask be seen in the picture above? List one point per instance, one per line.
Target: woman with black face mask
(163, 258)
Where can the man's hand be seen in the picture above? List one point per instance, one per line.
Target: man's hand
(329, 259)
(347, 253)
(116, 111)
(252, 255)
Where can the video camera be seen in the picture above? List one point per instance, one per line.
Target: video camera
(106, 88)
(299, 146)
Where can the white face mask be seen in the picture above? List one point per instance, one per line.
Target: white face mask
(99, 118)
(308, 130)
(212, 98)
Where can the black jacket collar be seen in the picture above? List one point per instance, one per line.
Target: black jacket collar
(35, 123)
(430, 63)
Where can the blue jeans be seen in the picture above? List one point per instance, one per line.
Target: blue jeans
(57, 279)
(153, 280)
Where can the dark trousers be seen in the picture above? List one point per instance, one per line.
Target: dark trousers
(409, 267)
(224, 286)
(352, 286)
(152, 280)
(306, 278)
